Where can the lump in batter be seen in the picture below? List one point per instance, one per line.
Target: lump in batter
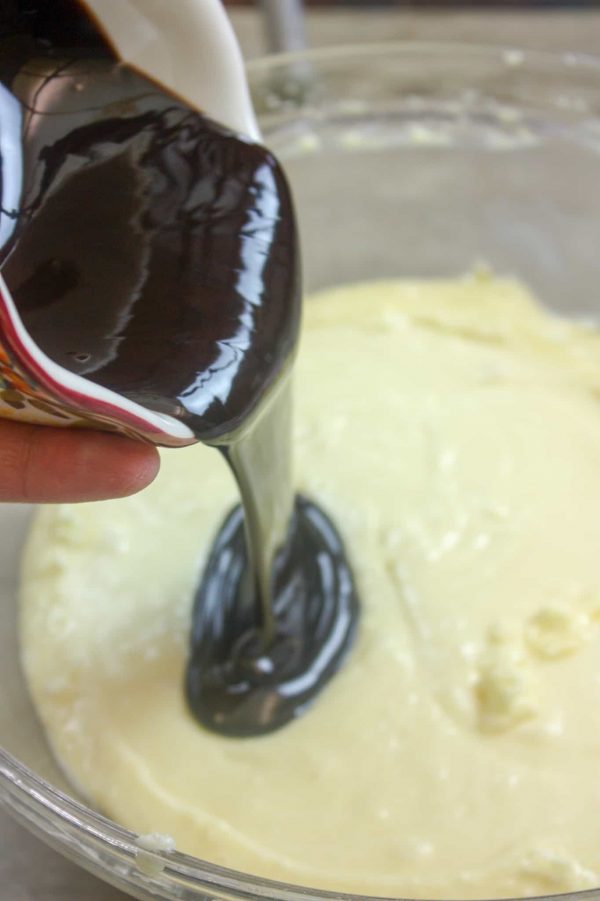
(452, 431)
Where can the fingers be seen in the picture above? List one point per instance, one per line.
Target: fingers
(40, 464)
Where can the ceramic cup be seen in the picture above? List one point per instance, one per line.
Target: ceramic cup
(189, 49)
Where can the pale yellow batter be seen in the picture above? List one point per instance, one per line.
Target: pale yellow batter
(452, 429)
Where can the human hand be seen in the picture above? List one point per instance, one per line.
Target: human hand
(40, 464)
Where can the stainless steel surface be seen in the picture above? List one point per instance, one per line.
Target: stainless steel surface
(28, 869)
(284, 25)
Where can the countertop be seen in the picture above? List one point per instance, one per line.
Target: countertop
(28, 869)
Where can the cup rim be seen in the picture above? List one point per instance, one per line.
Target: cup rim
(100, 844)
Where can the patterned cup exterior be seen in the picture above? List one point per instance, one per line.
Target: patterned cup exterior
(36, 390)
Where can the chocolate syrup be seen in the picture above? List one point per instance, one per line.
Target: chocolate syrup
(154, 252)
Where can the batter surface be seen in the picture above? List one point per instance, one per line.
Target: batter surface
(452, 430)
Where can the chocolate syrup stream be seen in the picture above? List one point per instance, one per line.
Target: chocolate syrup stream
(261, 463)
(155, 252)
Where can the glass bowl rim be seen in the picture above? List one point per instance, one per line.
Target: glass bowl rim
(509, 54)
(46, 810)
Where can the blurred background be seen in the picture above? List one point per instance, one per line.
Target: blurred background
(280, 25)
(442, 4)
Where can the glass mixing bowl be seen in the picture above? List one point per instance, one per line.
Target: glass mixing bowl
(406, 160)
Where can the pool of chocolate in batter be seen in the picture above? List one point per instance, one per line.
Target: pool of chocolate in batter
(155, 253)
